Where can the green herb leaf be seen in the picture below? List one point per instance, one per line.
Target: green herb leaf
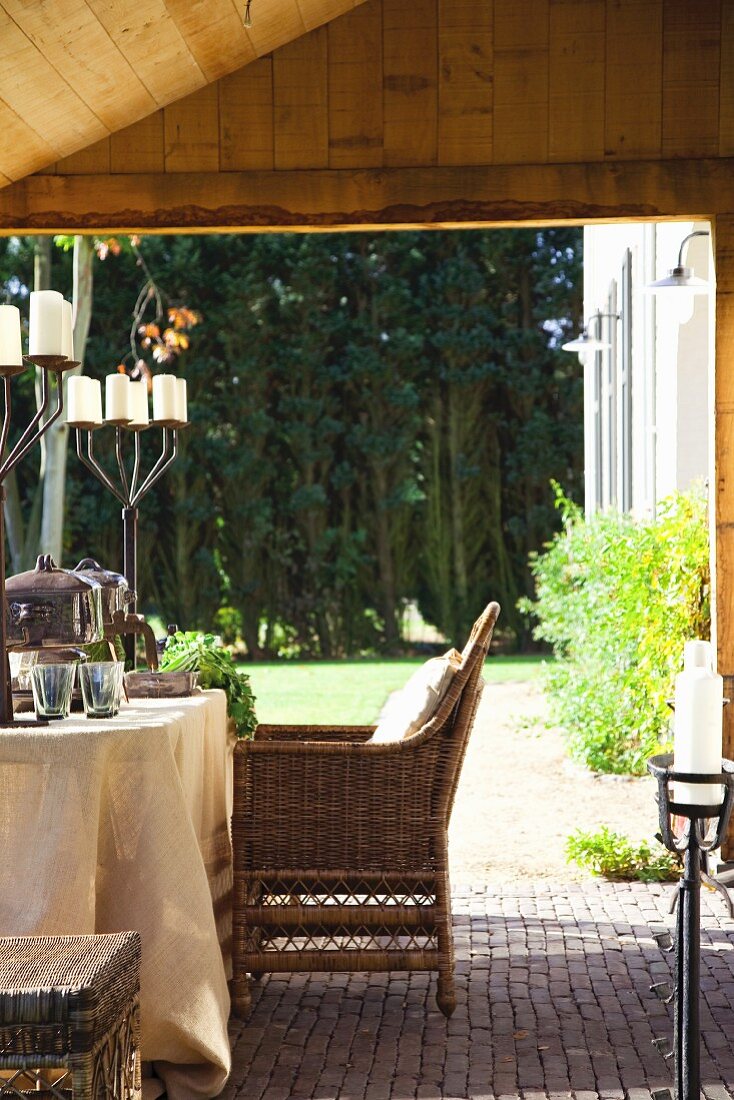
(192, 651)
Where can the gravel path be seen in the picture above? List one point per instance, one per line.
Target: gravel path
(520, 797)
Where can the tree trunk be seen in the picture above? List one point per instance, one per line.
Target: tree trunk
(385, 559)
(457, 513)
(437, 546)
(54, 444)
(22, 539)
(14, 526)
(42, 263)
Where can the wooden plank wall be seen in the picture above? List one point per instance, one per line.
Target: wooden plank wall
(409, 83)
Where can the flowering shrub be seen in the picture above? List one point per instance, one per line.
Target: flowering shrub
(616, 598)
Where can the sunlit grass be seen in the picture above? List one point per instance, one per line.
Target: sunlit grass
(349, 692)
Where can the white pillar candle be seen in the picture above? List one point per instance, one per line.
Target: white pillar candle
(117, 397)
(182, 407)
(46, 325)
(95, 400)
(139, 404)
(11, 354)
(164, 397)
(79, 400)
(697, 745)
(67, 330)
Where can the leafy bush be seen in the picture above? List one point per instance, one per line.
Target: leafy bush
(228, 624)
(614, 856)
(616, 598)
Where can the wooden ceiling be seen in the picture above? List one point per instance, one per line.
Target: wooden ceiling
(72, 72)
(393, 112)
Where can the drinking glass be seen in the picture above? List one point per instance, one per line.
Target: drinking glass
(21, 663)
(52, 685)
(101, 683)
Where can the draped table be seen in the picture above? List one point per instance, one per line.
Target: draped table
(123, 823)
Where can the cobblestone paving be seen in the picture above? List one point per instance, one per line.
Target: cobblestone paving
(554, 1001)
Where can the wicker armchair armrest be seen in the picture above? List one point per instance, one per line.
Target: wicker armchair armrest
(337, 804)
(350, 734)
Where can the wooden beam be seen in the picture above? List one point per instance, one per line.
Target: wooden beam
(323, 199)
(722, 542)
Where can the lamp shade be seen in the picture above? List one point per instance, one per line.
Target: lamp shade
(584, 342)
(681, 279)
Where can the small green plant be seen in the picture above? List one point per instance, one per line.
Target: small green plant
(616, 598)
(616, 857)
(194, 652)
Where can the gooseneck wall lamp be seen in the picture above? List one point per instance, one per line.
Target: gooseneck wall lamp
(681, 278)
(588, 339)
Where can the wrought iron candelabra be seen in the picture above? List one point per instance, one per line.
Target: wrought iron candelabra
(52, 368)
(701, 830)
(129, 490)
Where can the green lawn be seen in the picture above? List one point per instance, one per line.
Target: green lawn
(349, 692)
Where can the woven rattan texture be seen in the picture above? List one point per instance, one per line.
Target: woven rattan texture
(340, 846)
(72, 1002)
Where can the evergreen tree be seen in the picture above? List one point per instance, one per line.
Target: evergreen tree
(376, 418)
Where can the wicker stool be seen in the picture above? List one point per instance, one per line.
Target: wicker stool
(70, 1003)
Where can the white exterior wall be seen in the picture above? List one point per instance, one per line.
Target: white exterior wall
(667, 360)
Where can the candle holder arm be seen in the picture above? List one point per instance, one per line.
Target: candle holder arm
(93, 465)
(719, 888)
(136, 466)
(33, 432)
(170, 437)
(30, 429)
(6, 417)
(120, 463)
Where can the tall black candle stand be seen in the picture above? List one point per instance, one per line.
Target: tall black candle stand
(129, 491)
(702, 830)
(50, 365)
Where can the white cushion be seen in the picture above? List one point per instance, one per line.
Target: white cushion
(415, 704)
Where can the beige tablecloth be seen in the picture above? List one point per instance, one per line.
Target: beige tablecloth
(123, 824)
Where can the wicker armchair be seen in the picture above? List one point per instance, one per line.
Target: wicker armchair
(340, 847)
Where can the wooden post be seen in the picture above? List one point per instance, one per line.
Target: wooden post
(722, 542)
